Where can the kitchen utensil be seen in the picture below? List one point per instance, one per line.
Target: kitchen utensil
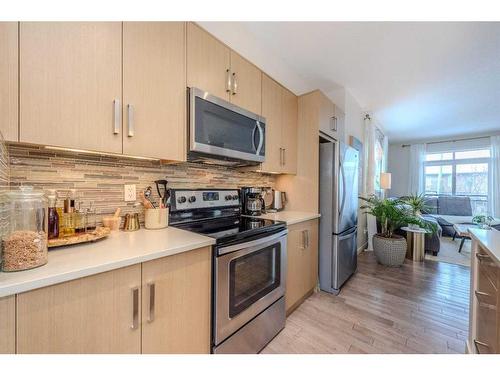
(111, 222)
(156, 218)
(163, 193)
(131, 222)
(147, 195)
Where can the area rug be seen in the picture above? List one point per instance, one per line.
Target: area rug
(449, 252)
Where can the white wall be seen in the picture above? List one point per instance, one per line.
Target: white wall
(399, 161)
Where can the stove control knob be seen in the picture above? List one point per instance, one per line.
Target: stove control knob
(192, 199)
(181, 199)
(235, 197)
(228, 197)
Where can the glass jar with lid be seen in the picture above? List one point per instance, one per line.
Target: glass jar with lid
(24, 241)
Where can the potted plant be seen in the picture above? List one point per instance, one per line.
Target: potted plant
(390, 248)
(483, 221)
(416, 202)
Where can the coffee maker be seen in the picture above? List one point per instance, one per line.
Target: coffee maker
(252, 202)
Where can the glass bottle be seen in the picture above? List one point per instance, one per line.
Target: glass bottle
(53, 216)
(24, 243)
(79, 219)
(91, 220)
(69, 225)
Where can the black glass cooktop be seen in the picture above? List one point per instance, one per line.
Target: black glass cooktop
(234, 228)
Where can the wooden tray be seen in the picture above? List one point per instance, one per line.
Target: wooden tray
(97, 234)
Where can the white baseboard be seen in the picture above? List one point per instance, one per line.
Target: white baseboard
(362, 247)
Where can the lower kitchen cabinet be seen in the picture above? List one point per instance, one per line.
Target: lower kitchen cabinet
(8, 325)
(95, 314)
(176, 303)
(302, 262)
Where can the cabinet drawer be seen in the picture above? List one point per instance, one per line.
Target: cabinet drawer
(486, 336)
(488, 267)
(485, 292)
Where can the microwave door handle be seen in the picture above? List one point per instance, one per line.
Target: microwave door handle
(253, 137)
(261, 137)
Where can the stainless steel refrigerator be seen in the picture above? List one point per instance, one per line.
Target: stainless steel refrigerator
(338, 195)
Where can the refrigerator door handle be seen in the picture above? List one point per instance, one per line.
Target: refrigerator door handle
(351, 233)
(341, 169)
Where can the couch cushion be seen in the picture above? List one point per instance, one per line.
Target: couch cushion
(457, 206)
(431, 204)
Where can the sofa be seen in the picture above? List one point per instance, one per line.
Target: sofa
(450, 210)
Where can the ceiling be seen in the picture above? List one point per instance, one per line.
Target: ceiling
(420, 80)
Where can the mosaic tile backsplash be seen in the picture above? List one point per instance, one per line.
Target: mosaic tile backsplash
(100, 179)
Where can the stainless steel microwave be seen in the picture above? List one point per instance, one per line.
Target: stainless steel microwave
(223, 133)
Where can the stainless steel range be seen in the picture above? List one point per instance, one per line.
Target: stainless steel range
(249, 267)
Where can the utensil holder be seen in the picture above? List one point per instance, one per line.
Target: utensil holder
(156, 218)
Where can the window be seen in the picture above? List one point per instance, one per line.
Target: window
(459, 173)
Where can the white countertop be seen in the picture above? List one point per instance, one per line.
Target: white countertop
(489, 240)
(291, 217)
(120, 249)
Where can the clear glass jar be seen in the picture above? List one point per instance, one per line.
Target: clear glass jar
(24, 243)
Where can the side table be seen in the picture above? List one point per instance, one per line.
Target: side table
(415, 240)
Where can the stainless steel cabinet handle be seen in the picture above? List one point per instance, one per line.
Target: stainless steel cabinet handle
(479, 343)
(116, 116)
(130, 110)
(482, 294)
(307, 239)
(281, 156)
(135, 308)
(151, 316)
(284, 154)
(234, 89)
(228, 80)
(303, 240)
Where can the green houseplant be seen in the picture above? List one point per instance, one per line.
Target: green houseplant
(392, 214)
(416, 202)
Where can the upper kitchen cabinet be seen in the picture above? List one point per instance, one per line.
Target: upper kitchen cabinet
(214, 67)
(246, 84)
(279, 107)
(9, 80)
(154, 89)
(208, 62)
(71, 84)
(326, 115)
(289, 132)
(272, 110)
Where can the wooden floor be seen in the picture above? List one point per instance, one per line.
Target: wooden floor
(418, 308)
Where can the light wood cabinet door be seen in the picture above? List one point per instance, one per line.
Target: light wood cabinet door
(247, 84)
(208, 62)
(176, 316)
(272, 110)
(326, 115)
(154, 90)
(94, 314)
(8, 325)
(302, 262)
(70, 76)
(9, 75)
(289, 132)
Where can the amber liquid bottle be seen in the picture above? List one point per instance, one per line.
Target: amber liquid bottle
(53, 218)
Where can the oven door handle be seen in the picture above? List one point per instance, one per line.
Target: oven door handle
(246, 245)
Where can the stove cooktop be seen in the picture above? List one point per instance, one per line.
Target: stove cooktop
(233, 228)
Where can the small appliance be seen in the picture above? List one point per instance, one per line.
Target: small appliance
(279, 200)
(252, 201)
(223, 133)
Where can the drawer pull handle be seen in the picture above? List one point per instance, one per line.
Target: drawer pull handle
(479, 343)
(228, 80)
(151, 316)
(481, 257)
(116, 116)
(135, 308)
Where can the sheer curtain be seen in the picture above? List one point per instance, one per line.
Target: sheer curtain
(494, 188)
(416, 169)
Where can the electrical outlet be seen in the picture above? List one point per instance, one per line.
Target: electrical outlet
(130, 193)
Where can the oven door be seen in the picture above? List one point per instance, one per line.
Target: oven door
(217, 127)
(249, 277)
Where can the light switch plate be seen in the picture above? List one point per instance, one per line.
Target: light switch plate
(130, 193)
